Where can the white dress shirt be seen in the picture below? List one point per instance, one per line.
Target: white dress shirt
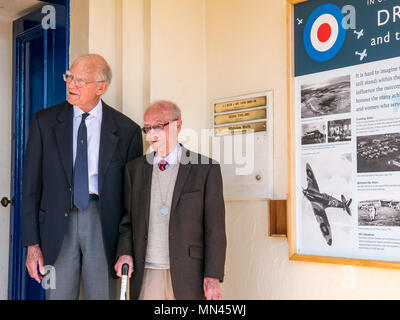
(93, 124)
(172, 158)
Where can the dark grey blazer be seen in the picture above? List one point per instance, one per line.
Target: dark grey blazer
(197, 238)
(48, 176)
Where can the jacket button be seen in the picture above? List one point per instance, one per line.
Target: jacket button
(145, 237)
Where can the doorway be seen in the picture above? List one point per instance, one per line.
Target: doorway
(40, 56)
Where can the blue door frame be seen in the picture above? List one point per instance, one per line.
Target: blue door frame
(40, 57)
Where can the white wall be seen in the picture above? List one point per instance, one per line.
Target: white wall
(195, 51)
(96, 27)
(178, 56)
(5, 146)
(79, 28)
(105, 38)
(136, 26)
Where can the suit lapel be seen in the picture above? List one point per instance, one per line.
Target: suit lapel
(183, 172)
(63, 134)
(108, 142)
(147, 178)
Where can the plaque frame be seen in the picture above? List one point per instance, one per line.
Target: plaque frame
(264, 139)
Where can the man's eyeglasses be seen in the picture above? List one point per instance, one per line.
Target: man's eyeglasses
(80, 83)
(157, 127)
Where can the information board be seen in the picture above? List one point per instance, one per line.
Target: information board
(345, 131)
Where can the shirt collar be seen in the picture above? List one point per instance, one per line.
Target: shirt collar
(172, 158)
(97, 111)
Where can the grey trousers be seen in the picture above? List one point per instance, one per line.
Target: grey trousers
(82, 259)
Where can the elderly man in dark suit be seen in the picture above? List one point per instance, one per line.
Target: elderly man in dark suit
(73, 185)
(173, 232)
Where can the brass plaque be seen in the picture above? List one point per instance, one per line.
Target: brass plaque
(241, 128)
(240, 116)
(247, 103)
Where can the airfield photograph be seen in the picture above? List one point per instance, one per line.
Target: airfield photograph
(378, 153)
(379, 213)
(313, 133)
(326, 97)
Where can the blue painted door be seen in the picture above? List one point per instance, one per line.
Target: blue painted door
(40, 57)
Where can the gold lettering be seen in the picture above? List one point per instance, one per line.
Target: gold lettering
(240, 104)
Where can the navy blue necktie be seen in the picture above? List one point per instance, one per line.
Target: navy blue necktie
(81, 175)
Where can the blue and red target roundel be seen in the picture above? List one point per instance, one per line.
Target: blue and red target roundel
(324, 33)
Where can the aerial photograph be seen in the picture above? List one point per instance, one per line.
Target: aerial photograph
(326, 97)
(378, 153)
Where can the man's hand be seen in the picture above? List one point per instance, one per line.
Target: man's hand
(121, 261)
(212, 289)
(33, 259)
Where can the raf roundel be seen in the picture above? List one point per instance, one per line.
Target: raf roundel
(324, 33)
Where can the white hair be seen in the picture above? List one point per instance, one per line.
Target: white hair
(103, 68)
(167, 107)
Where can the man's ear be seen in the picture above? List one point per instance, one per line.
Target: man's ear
(102, 88)
(178, 126)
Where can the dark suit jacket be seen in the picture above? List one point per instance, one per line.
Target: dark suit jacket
(197, 239)
(48, 176)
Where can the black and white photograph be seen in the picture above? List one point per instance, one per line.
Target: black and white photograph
(339, 130)
(378, 153)
(327, 205)
(379, 212)
(326, 97)
(313, 133)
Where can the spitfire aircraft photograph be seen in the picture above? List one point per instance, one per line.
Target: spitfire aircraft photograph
(325, 97)
(327, 201)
